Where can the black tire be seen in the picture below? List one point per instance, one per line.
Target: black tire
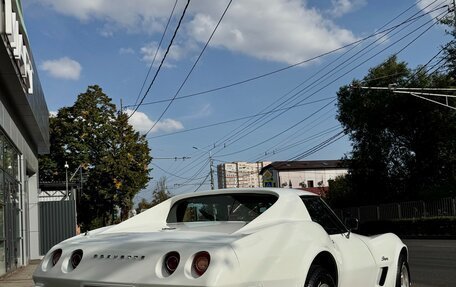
(319, 277)
(403, 272)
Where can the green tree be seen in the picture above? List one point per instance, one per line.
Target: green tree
(93, 134)
(340, 192)
(403, 147)
(160, 192)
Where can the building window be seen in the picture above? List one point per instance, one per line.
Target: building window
(310, 183)
(10, 205)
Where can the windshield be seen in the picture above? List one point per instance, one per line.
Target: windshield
(220, 207)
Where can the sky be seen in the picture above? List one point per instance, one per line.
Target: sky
(263, 89)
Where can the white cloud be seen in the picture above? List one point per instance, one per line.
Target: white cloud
(53, 114)
(282, 31)
(63, 68)
(277, 30)
(342, 7)
(126, 51)
(134, 15)
(148, 51)
(429, 5)
(205, 111)
(142, 123)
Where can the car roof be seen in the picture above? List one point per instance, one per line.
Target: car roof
(281, 192)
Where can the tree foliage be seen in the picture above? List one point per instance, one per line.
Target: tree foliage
(93, 134)
(403, 146)
(160, 193)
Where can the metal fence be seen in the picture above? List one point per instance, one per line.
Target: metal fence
(57, 216)
(57, 222)
(402, 210)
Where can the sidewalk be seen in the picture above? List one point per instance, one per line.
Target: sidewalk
(22, 277)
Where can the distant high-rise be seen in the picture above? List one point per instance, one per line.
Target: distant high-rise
(240, 174)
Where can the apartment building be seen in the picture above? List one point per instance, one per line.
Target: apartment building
(240, 174)
(309, 175)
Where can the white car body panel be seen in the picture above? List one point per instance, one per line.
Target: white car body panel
(276, 249)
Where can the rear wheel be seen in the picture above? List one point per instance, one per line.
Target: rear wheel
(403, 273)
(319, 277)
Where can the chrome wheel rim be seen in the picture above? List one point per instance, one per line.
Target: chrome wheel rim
(323, 285)
(405, 280)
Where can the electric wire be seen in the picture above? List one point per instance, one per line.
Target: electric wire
(342, 136)
(156, 52)
(298, 63)
(402, 49)
(239, 119)
(163, 59)
(191, 70)
(327, 76)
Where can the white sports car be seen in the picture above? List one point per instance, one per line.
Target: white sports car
(237, 237)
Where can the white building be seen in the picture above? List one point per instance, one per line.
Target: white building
(308, 175)
(240, 174)
(24, 133)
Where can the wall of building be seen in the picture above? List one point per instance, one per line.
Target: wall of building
(24, 133)
(240, 174)
(317, 178)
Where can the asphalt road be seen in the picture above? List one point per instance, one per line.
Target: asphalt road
(432, 262)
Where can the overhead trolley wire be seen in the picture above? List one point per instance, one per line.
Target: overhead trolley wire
(163, 60)
(280, 133)
(191, 70)
(314, 83)
(156, 52)
(298, 63)
(238, 119)
(359, 66)
(187, 164)
(167, 172)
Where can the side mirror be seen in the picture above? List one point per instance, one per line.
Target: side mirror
(352, 223)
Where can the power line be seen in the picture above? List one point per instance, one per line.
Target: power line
(382, 50)
(327, 76)
(241, 118)
(280, 133)
(377, 53)
(202, 183)
(193, 67)
(156, 52)
(167, 172)
(359, 66)
(163, 59)
(301, 62)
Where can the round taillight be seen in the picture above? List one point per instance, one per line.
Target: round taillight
(56, 256)
(201, 262)
(76, 258)
(171, 262)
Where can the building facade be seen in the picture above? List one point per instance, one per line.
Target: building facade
(240, 174)
(302, 174)
(24, 133)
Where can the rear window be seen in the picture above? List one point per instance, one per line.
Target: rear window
(220, 207)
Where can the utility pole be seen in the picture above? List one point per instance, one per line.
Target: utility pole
(211, 162)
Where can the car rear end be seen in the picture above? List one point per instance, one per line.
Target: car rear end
(144, 261)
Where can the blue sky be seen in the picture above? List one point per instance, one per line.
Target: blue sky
(105, 42)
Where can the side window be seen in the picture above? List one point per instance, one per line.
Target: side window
(323, 215)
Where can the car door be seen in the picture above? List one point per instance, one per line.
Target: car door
(356, 265)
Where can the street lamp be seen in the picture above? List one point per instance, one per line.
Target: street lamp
(66, 179)
(211, 170)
